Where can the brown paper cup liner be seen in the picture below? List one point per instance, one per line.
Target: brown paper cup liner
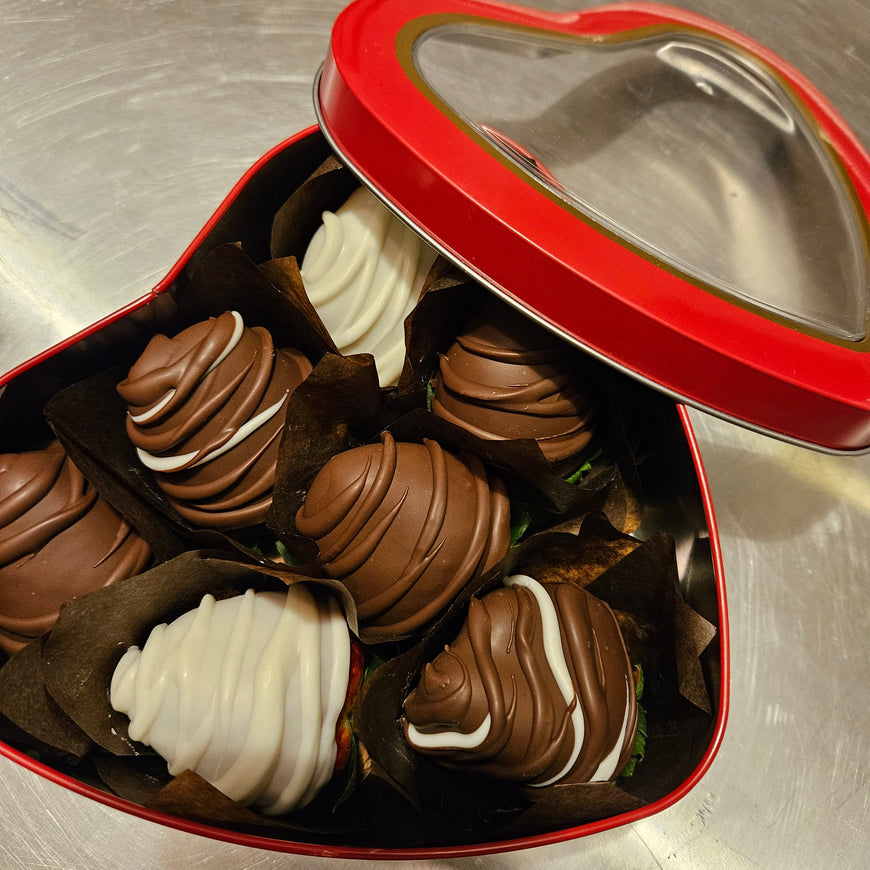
(663, 635)
(89, 416)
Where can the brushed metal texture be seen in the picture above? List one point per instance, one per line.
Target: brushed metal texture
(123, 125)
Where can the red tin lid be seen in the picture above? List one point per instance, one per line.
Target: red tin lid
(661, 189)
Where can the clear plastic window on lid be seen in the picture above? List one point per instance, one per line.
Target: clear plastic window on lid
(680, 146)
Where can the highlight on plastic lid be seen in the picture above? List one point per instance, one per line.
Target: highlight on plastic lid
(659, 188)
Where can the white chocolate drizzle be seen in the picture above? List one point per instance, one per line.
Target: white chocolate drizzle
(363, 272)
(558, 665)
(450, 739)
(607, 768)
(176, 463)
(154, 410)
(246, 692)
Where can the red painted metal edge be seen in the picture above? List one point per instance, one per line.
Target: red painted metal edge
(665, 330)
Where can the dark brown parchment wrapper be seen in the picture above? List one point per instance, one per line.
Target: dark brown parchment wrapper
(89, 416)
(336, 408)
(301, 215)
(450, 299)
(664, 636)
(28, 714)
(69, 671)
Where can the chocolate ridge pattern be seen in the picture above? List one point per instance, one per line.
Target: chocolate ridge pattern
(405, 527)
(58, 539)
(536, 688)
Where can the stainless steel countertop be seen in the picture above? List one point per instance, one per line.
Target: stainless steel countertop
(122, 126)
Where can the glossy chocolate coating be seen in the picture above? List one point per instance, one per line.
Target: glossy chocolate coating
(206, 411)
(364, 270)
(501, 701)
(58, 539)
(506, 377)
(246, 692)
(405, 527)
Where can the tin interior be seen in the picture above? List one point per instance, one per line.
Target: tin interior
(674, 497)
(680, 146)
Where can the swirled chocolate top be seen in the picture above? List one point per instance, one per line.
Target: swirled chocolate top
(58, 539)
(405, 527)
(507, 377)
(537, 688)
(206, 410)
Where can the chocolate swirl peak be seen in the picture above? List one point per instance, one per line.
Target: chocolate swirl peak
(58, 539)
(537, 688)
(363, 272)
(246, 692)
(506, 377)
(206, 412)
(405, 527)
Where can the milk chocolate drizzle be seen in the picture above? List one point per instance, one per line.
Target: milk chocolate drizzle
(405, 527)
(506, 377)
(58, 539)
(536, 688)
(206, 412)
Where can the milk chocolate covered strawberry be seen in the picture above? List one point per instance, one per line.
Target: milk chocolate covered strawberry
(58, 539)
(206, 410)
(405, 527)
(506, 377)
(537, 688)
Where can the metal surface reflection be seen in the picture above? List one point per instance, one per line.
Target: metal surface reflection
(123, 126)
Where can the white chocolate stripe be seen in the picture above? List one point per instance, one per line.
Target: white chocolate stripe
(450, 739)
(607, 768)
(145, 416)
(176, 463)
(163, 463)
(235, 338)
(555, 654)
